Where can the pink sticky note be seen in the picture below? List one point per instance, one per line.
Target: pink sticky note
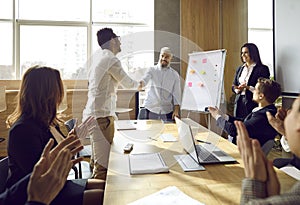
(190, 84)
(194, 61)
(204, 60)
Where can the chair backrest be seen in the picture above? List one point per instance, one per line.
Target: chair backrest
(70, 124)
(3, 106)
(266, 148)
(281, 162)
(3, 173)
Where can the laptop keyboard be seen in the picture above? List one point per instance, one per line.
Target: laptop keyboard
(205, 155)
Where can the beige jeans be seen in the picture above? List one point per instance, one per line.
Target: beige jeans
(101, 140)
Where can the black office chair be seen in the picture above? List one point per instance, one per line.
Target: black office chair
(267, 147)
(85, 153)
(3, 173)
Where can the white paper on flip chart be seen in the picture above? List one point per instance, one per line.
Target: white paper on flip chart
(167, 196)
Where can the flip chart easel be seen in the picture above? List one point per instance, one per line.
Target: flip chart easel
(204, 81)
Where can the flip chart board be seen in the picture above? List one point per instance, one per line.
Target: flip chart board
(204, 80)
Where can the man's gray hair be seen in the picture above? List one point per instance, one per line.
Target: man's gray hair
(166, 50)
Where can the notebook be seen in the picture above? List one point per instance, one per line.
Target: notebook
(147, 163)
(203, 154)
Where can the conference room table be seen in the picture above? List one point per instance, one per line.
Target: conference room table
(217, 184)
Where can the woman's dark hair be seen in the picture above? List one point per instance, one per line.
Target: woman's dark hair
(253, 53)
(40, 94)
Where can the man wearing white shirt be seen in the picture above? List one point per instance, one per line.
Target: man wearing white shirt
(105, 75)
(163, 93)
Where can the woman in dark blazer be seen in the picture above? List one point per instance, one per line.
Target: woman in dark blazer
(32, 124)
(245, 79)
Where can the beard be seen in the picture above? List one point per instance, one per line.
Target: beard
(164, 64)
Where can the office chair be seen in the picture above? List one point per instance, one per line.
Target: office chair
(85, 153)
(3, 173)
(267, 147)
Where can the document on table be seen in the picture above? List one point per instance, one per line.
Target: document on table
(167, 196)
(292, 171)
(125, 125)
(168, 137)
(147, 163)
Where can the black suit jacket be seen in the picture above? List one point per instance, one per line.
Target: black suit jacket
(27, 139)
(256, 123)
(257, 72)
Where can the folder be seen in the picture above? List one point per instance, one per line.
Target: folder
(147, 163)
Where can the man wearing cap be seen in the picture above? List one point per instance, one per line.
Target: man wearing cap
(105, 75)
(163, 90)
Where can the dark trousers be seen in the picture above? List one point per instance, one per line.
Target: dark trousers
(240, 108)
(146, 114)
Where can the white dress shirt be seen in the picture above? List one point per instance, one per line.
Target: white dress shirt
(285, 144)
(163, 90)
(105, 74)
(244, 78)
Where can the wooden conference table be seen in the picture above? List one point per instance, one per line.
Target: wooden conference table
(218, 184)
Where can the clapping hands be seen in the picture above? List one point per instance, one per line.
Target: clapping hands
(255, 162)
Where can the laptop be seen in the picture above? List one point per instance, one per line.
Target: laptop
(206, 153)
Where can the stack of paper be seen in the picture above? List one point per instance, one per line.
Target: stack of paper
(147, 163)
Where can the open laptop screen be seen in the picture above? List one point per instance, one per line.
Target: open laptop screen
(186, 138)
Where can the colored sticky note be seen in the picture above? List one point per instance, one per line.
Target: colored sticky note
(202, 72)
(204, 60)
(190, 84)
(194, 61)
(192, 71)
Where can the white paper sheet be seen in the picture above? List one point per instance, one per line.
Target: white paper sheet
(168, 137)
(167, 196)
(292, 171)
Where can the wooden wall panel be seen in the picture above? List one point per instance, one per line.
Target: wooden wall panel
(214, 24)
(200, 27)
(234, 35)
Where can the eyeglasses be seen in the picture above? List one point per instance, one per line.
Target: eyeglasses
(118, 37)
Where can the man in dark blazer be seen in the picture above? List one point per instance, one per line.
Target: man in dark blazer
(265, 93)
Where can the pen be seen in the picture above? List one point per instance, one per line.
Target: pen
(203, 141)
(122, 129)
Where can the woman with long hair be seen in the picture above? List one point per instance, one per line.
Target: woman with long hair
(246, 77)
(33, 123)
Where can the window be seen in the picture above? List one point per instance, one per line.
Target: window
(260, 29)
(62, 34)
(61, 47)
(6, 40)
